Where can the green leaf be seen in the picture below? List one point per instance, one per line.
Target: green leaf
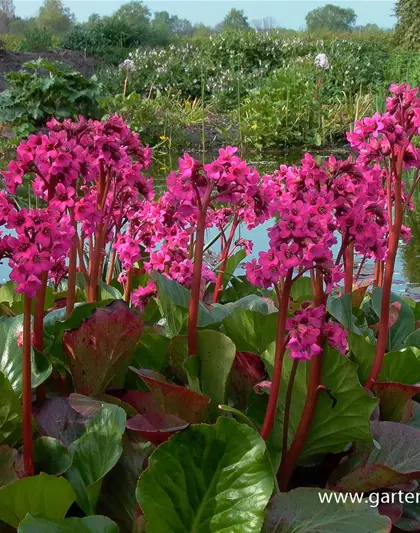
(231, 265)
(404, 325)
(10, 413)
(251, 331)
(301, 511)
(11, 355)
(402, 366)
(216, 353)
(362, 353)
(51, 456)
(413, 339)
(95, 453)
(48, 496)
(342, 413)
(151, 351)
(222, 484)
(341, 308)
(89, 524)
(302, 290)
(118, 495)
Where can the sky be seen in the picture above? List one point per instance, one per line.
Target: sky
(287, 13)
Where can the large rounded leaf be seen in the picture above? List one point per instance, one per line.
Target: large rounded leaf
(302, 511)
(207, 479)
(51, 456)
(90, 524)
(95, 453)
(47, 496)
(10, 465)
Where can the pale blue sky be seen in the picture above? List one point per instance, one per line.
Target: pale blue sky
(287, 13)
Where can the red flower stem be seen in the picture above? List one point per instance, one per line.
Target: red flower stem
(71, 282)
(287, 407)
(348, 268)
(128, 283)
(218, 289)
(270, 413)
(111, 266)
(28, 459)
(196, 279)
(394, 237)
(290, 459)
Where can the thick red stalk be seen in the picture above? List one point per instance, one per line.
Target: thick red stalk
(111, 266)
(270, 413)
(196, 279)
(225, 256)
(287, 407)
(28, 459)
(127, 289)
(394, 237)
(348, 268)
(290, 458)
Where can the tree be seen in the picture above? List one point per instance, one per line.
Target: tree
(55, 17)
(407, 30)
(331, 18)
(7, 14)
(235, 20)
(265, 24)
(134, 17)
(8, 7)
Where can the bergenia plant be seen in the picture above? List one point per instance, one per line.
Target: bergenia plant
(264, 389)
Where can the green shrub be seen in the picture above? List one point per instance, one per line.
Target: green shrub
(43, 89)
(37, 40)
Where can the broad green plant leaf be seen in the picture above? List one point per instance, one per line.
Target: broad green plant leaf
(51, 456)
(89, 524)
(404, 324)
(11, 355)
(362, 353)
(341, 308)
(231, 265)
(413, 339)
(151, 351)
(302, 289)
(402, 366)
(396, 402)
(343, 408)
(101, 345)
(251, 331)
(95, 453)
(43, 495)
(216, 354)
(10, 413)
(222, 484)
(301, 511)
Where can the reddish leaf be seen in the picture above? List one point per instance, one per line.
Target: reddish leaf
(395, 401)
(142, 401)
(393, 511)
(173, 399)
(89, 406)
(394, 460)
(394, 313)
(156, 427)
(359, 292)
(98, 348)
(247, 370)
(56, 418)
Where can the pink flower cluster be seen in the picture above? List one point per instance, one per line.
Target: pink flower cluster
(38, 242)
(307, 328)
(141, 296)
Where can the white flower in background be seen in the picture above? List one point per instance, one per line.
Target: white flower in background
(128, 65)
(321, 61)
